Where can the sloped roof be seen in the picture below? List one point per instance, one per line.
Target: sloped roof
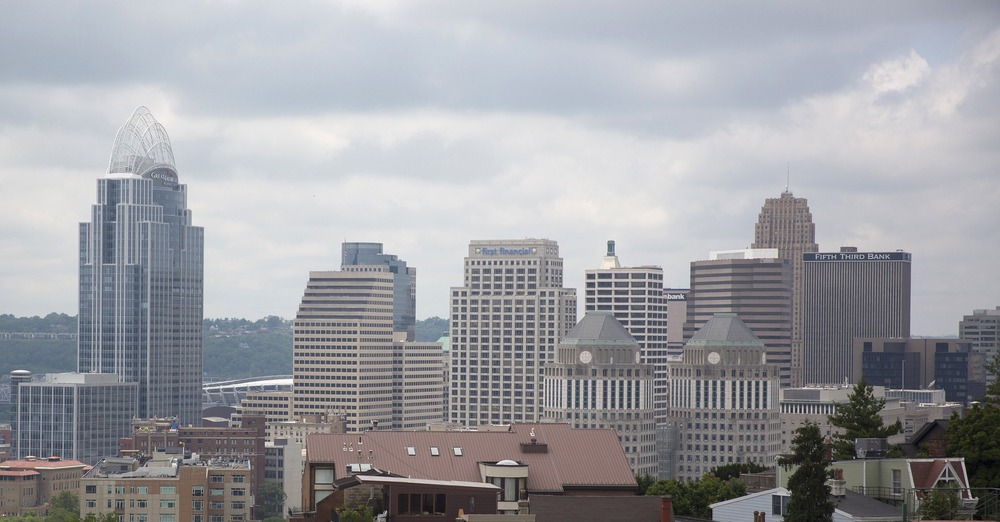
(572, 458)
(853, 505)
(725, 329)
(925, 472)
(599, 327)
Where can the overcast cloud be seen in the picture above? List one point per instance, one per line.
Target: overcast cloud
(424, 125)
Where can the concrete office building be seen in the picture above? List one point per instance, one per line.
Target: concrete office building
(634, 296)
(77, 416)
(598, 380)
(345, 358)
(847, 295)
(983, 329)
(506, 321)
(675, 302)
(724, 400)
(363, 256)
(754, 284)
(917, 363)
(142, 276)
(785, 223)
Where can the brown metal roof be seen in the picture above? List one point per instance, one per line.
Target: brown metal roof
(560, 458)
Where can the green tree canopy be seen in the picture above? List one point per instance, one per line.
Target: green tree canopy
(692, 499)
(270, 500)
(734, 470)
(860, 418)
(976, 436)
(66, 501)
(810, 496)
(940, 504)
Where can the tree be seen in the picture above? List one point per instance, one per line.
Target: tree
(644, 481)
(976, 436)
(859, 418)
(940, 504)
(692, 499)
(810, 496)
(66, 501)
(270, 500)
(734, 470)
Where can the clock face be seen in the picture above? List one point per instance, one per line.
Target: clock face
(638, 358)
(586, 357)
(714, 358)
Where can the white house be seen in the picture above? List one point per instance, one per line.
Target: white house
(852, 507)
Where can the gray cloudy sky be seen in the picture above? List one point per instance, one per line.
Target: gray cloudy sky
(423, 125)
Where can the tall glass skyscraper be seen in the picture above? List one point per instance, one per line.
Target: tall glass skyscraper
(142, 276)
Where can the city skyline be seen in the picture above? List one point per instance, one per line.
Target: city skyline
(425, 125)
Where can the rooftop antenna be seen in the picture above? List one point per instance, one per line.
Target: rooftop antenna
(788, 176)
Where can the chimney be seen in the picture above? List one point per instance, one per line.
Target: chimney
(936, 448)
(666, 509)
(838, 486)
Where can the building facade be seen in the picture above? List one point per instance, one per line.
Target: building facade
(342, 347)
(724, 400)
(846, 295)
(634, 296)
(598, 380)
(982, 327)
(786, 223)
(142, 276)
(754, 284)
(28, 485)
(77, 416)
(506, 321)
(169, 489)
(358, 256)
(916, 363)
(348, 357)
(675, 303)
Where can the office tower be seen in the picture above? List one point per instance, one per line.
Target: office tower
(921, 363)
(598, 380)
(846, 295)
(675, 302)
(358, 256)
(785, 223)
(506, 321)
(346, 356)
(983, 329)
(342, 348)
(142, 276)
(79, 416)
(724, 400)
(634, 296)
(754, 284)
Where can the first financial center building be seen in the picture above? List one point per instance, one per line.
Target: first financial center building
(506, 321)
